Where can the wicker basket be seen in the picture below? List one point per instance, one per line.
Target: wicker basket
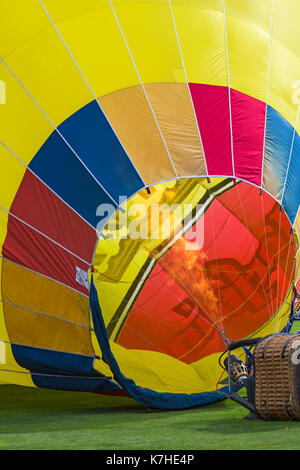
(277, 377)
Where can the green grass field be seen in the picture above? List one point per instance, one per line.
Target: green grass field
(32, 419)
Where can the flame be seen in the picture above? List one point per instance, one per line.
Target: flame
(187, 268)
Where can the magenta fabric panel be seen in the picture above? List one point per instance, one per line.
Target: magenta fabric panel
(212, 111)
(248, 124)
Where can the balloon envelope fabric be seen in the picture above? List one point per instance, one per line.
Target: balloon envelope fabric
(156, 144)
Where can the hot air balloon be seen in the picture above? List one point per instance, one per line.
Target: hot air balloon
(150, 188)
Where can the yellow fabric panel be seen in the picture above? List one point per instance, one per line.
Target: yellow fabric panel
(7, 361)
(158, 371)
(24, 323)
(248, 26)
(210, 370)
(16, 378)
(281, 84)
(36, 64)
(92, 34)
(278, 321)
(19, 22)
(248, 34)
(12, 172)
(51, 298)
(100, 365)
(18, 117)
(203, 48)
(128, 110)
(254, 12)
(3, 227)
(26, 327)
(152, 370)
(35, 52)
(45, 68)
(286, 24)
(7, 193)
(131, 117)
(285, 59)
(3, 331)
(151, 37)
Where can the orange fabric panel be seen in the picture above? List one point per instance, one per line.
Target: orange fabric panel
(174, 111)
(131, 117)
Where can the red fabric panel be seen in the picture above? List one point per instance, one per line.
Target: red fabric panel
(28, 248)
(38, 206)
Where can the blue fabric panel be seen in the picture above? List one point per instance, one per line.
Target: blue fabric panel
(104, 173)
(62, 171)
(279, 135)
(291, 196)
(62, 371)
(145, 396)
(76, 384)
(48, 361)
(279, 138)
(91, 136)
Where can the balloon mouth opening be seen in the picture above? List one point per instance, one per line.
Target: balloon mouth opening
(193, 263)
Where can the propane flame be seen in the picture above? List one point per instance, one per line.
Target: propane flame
(187, 267)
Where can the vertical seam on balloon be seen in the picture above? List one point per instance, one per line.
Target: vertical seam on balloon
(267, 95)
(186, 79)
(143, 87)
(229, 89)
(44, 235)
(59, 133)
(50, 189)
(89, 87)
(290, 156)
(44, 275)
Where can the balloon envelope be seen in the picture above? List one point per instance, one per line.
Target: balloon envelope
(156, 144)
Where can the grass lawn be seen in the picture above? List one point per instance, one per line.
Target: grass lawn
(44, 419)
